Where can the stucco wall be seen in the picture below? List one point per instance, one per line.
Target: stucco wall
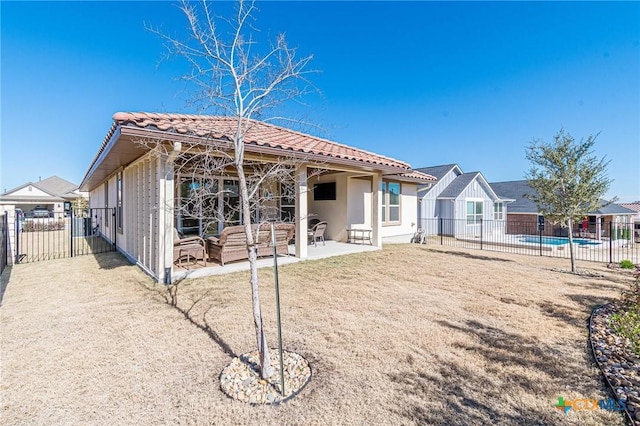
(334, 212)
(408, 212)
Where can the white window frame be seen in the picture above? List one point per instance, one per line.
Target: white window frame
(475, 215)
(386, 206)
(498, 210)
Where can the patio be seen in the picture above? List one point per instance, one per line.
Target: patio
(330, 249)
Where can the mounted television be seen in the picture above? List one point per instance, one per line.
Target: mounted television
(324, 191)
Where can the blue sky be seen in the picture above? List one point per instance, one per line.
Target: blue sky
(425, 82)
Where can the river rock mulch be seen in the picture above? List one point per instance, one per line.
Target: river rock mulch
(618, 363)
(241, 380)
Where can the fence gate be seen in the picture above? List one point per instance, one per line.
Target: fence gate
(65, 234)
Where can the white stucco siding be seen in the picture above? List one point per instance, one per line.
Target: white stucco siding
(334, 212)
(408, 212)
(359, 202)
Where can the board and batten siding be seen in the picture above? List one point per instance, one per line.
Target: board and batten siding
(474, 191)
(145, 208)
(431, 208)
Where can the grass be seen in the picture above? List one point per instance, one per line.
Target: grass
(406, 335)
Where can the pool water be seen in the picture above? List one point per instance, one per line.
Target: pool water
(557, 241)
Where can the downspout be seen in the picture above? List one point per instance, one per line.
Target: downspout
(168, 193)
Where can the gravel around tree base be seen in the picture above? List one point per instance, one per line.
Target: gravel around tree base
(241, 380)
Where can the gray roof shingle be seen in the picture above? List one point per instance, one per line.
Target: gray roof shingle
(516, 190)
(519, 188)
(455, 188)
(437, 171)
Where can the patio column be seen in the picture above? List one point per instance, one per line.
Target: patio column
(166, 190)
(301, 212)
(376, 210)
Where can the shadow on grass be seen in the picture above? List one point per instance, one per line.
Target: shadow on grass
(511, 365)
(4, 281)
(469, 255)
(564, 314)
(109, 260)
(171, 298)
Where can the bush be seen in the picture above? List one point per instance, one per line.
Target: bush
(43, 225)
(627, 320)
(626, 264)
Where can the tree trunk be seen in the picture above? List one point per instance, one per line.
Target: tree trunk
(263, 348)
(571, 252)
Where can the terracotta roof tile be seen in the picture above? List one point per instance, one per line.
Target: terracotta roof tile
(259, 133)
(416, 175)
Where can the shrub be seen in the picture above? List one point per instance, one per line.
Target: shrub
(626, 264)
(627, 320)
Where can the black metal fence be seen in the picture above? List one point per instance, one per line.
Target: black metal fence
(611, 244)
(65, 234)
(4, 241)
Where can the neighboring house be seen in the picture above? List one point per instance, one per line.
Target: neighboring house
(635, 206)
(361, 188)
(522, 217)
(51, 196)
(458, 202)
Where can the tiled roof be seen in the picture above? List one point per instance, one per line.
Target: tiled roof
(259, 134)
(415, 175)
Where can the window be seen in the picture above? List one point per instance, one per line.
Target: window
(206, 206)
(106, 200)
(474, 212)
(287, 202)
(119, 201)
(498, 211)
(390, 202)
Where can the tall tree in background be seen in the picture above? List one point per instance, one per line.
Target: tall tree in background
(568, 179)
(238, 77)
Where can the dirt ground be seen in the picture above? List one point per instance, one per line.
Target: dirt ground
(407, 335)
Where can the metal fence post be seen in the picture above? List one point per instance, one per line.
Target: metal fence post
(481, 227)
(17, 237)
(114, 226)
(440, 230)
(611, 242)
(71, 233)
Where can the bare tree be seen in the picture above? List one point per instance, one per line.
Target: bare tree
(236, 77)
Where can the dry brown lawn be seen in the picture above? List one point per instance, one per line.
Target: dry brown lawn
(407, 335)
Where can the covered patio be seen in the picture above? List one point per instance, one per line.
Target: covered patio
(330, 249)
(143, 169)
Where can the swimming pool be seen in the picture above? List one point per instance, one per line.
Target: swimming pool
(557, 241)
